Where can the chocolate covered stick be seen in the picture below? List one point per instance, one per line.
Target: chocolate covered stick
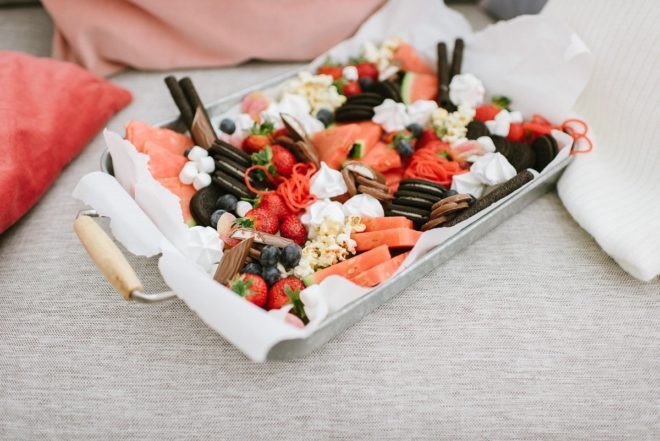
(443, 76)
(457, 58)
(180, 100)
(204, 127)
(499, 192)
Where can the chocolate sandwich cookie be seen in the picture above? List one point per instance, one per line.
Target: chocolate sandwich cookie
(383, 196)
(388, 89)
(499, 192)
(434, 223)
(413, 200)
(354, 112)
(232, 185)
(448, 208)
(231, 168)
(502, 145)
(349, 179)
(294, 128)
(203, 204)
(476, 129)
(418, 216)
(284, 141)
(456, 199)
(221, 149)
(365, 98)
(361, 180)
(361, 169)
(422, 186)
(545, 149)
(521, 156)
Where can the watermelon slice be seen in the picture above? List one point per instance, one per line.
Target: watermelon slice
(162, 162)
(381, 272)
(418, 86)
(382, 157)
(138, 133)
(393, 238)
(393, 177)
(408, 59)
(185, 194)
(369, 134)
(349, 268)
(334, 144)
(385, 223)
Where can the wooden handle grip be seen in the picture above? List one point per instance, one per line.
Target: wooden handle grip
(107, 256)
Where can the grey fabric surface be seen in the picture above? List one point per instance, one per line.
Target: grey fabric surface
(532, 333)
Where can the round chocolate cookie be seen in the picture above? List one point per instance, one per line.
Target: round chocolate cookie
(354, 112)
(476, 129)
(232, 185)
(221, 149)
(405, 193)
(230, 167)
(545, 149)
(422, 186)
(413, 200)
(365, 98)
(203, 202)
(417, 215)
(388, 89)
(502, 145)
(521, 156)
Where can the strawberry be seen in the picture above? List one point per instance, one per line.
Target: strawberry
(260, 219)
(351, 88)
(283, 160)
(427, 136)
(283, 131)
(367, 70)
(287, 291)
(292, 228)
(334, 71)
(258, 138)
(251, 287)
(516, 132)
(486, 112)
(274, 203)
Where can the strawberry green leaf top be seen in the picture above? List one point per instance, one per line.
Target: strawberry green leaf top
(501, 101)
(298, 307)
(265, 128)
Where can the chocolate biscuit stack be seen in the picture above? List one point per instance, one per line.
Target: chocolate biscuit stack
(360, 107)
(414, 199)
(361, 178)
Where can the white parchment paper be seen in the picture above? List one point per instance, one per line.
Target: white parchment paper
(542, 64)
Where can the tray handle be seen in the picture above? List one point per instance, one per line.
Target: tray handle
(107, 256)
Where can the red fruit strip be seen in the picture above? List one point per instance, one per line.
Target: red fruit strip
(296, 189)
(426, 164)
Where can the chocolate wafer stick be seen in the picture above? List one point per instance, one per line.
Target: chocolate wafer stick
(180, 100)
(443, 75)
(196, 103)
(457, 58)
(499, 192)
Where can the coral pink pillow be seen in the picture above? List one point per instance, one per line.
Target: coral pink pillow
(49, 111)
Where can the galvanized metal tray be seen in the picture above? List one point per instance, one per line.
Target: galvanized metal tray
(353, 312)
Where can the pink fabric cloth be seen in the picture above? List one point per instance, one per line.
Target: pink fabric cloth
(107, 35)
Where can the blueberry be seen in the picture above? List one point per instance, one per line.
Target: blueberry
(325, 116)
(186, 152)
(271, 275)
(366, 83)
(227, 202)
(269, 255)
(228, 126)
(252, 268)
(215, 217)
(405, 148)
(290, 255)
(415, 129)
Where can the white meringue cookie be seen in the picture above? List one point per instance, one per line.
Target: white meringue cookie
(242, 207)
(363, 205)
(500, 125)
(320, 210)
(487, 143)
(205, 164)
(197, 152)
(204, 246)
(188, 173)
(201, 180)
(350, 73)
(420, 111)
(467, 183)
(492, 169)
(392, 116)
(327, 183)
(466, 89)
